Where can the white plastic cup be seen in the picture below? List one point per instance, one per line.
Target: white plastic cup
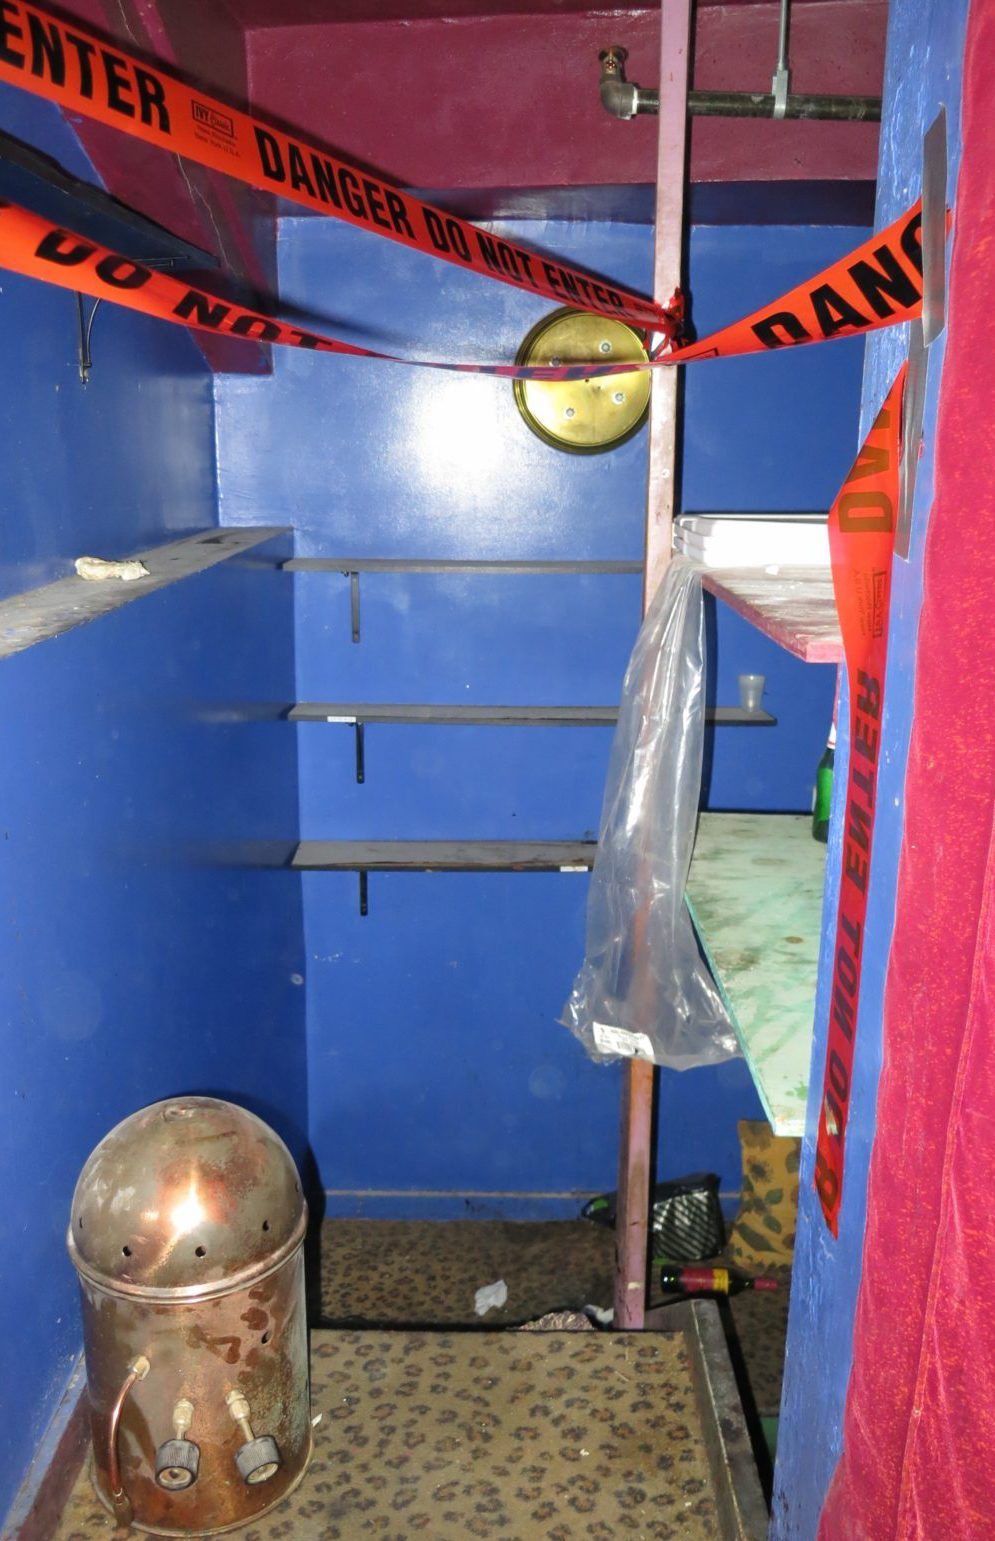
(751, 691)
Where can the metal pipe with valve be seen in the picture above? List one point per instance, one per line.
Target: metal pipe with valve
(625, 100)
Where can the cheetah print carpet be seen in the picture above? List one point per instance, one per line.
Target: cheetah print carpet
(563, 1436)
(378, 1273)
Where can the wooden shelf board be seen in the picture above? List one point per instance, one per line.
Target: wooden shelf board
(37, 615)
(755, 895)
(443, 855)
(794, 606)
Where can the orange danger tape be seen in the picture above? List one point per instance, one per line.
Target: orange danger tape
(39, 249)
(861, 543)
(81, 72)
(877, 285)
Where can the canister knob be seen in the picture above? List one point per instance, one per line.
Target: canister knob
(177, 1461)
(176, 1464)
(259, 1458)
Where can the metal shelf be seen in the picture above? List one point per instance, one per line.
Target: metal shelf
(358, 714)
(366, 856)
(354, 712)
(444, 855)
(353, 564)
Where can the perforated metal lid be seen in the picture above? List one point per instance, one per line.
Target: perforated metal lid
(187, 1198)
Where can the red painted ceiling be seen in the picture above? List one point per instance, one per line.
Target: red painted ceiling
(512, 100)
(295, 13)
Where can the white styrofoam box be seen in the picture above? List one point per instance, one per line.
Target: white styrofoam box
(718, 541)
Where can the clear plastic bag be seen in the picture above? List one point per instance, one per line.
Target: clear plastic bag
(644, 989)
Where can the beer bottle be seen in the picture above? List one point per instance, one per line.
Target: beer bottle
(822, 797)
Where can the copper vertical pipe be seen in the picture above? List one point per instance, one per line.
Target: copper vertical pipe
(136, 1372)
(635, 1143)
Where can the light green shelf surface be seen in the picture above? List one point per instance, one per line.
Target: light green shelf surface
(755, 894)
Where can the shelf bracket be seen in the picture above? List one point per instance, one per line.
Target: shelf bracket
(84, 354)
(360, 731)
(354, 604)
(84, 351)
(364, 892)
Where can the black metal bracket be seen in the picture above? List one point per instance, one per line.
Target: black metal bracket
(354, 604)
(84, 353)
(364, 892)
(84, 349)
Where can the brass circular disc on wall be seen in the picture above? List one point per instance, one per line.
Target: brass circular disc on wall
(584, 417)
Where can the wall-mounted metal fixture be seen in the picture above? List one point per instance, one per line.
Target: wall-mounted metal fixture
(84, 349)
(39, 183)
(923, 333)
(84, 353)
(583, 417)
(624, 100)
(781, 80)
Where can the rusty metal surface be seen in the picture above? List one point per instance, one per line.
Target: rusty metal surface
(739, 1500)
(185, 1199)
(636, 1131)
(190, 1257)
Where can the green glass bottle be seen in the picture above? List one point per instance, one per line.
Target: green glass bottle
(822, 797)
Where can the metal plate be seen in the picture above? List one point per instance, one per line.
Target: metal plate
(934, 227)
(913, 406)
(583, 417)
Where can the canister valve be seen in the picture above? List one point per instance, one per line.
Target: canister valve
(258, 1459)
(177, 1461)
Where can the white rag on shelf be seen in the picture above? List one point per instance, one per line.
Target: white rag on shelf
(96, 569)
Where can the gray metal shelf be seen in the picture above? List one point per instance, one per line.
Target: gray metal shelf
(356, 564)
(421, 712)
(444, 855)
(366, 856)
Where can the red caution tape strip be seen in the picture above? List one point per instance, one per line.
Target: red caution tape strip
(38, 249)
(69, 65)
(878, 284)
(861, 541)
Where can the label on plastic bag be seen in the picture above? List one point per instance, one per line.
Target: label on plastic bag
(618, 1040)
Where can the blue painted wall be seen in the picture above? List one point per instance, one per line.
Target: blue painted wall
(923, 72)
(440, 1082)
(107, 469)
(129, 967)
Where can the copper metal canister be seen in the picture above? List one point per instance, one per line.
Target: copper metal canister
(187, 1231)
